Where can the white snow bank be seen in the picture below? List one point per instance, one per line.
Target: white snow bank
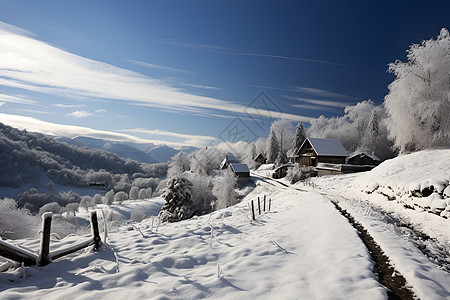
(418, 180)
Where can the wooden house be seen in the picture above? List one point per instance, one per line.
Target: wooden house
(260, 159)
(281, 171)
(335, 169)
(229, 158)
(363, 159)
(315, 150)
(240, 170)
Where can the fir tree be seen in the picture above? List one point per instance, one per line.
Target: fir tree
(272, 147)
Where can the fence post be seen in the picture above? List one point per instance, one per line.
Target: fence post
(253, 211)
(270, 200)
(45, 239)
(264, 203)
(95, 231)
(259, 207)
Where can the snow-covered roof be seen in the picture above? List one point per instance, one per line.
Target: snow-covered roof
(373, 157)
(229, 158)
(239, 168)
(327, 147)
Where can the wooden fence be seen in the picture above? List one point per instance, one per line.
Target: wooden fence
(263, 204)
(44, 257)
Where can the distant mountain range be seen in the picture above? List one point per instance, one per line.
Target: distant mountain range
(146, 153)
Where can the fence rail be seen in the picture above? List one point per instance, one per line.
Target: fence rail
(45, 257)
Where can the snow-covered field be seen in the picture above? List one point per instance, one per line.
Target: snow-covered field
(302, 249)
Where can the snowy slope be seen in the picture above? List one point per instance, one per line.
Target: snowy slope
(303, 248)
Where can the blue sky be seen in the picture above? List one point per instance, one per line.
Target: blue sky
(181, 72)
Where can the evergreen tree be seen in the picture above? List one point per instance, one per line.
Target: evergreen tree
(371, 137)
(179, 205)
(272, 147)
(300, 135)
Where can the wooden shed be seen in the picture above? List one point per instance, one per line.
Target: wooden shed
(315, 150)
(363, 159)
(229, 158)
(260, 158)
(281, 171)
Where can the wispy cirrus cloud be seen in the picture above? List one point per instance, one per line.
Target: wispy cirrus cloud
(31, 64)
(157, 67)
(309, 91)
(319, 103)
(186, 139)
(36, 125)
(230, 51)
(19, 99)
(68, 105)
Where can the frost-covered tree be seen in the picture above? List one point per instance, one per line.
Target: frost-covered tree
(53, 207)
(284, 132)
(15, 222)
(272, 146)
(109, 198)
(120, 197)
(179, 164)
(87, 202)
(201, 193)
(134, 193)
(224, 190)
(179, 205)
(206, 161)
(142, 194)
(98, 199)
(300, 135)
(71, 208)
(149, 192)
(371, 138)
(418, 103)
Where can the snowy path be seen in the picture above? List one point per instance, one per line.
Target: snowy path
(425, 276)
(302, 249)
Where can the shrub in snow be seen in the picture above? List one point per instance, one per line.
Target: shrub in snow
(224, 190)
(149, 192)
(17, 223)
(120, 197)
(134, 193)
(179, 205)
(418, 102)
(137, 215)
(297, 173)
(109, 198)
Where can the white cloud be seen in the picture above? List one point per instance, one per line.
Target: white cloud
(157, 67)
(79, 114)
(36, 125)
(68, 105)
(171, 134)
(200, 86)
(1, 103)
(324, 93)
(19, 99)
(33, 65)
(319, 103)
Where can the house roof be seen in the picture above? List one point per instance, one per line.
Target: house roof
(229, 158)
(327, 147)
(239, 168)
(373, 157)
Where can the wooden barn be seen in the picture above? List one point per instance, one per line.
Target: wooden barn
(363, 159)
(240, 170)
(315, 150)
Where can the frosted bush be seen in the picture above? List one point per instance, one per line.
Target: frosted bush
(137, 215)
(17, 223)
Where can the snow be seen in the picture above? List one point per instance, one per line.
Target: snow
(328, 147)
(303, 248)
